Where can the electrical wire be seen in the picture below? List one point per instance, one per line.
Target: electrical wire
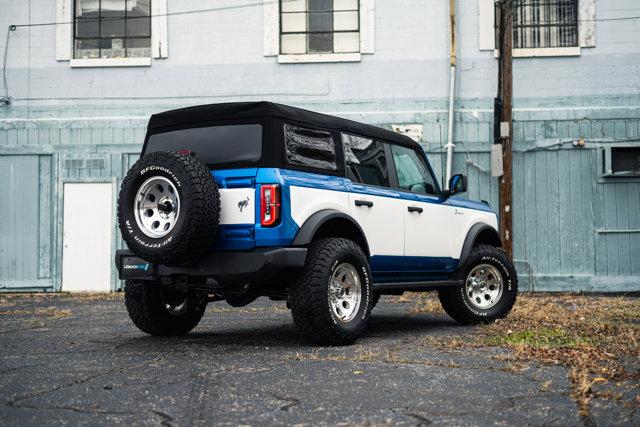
(243, 6)
(159, 15)
(6, 99)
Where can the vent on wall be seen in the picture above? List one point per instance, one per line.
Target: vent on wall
(76, 164)
(621, 161)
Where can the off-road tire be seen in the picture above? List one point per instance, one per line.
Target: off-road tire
(454, 301)
(375, 299)
(145, 305)
(309, 298)
(198, 220)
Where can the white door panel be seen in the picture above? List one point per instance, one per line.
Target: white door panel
(440, 230)
(382, 223)
(87, 228)
(237, 206)
(430, 233)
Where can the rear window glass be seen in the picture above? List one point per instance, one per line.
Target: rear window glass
(215, 144)
(312, 148)
(366, 160)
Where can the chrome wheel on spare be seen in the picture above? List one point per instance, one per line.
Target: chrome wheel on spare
(484, 286)
(157, 206)
(168, 207)
(345, 292)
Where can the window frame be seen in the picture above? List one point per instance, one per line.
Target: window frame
(308, 32)
(607, 174)
(586, 12)
(99, 36)
(335, 135)
(540, 25)
(386, 146)
(271, 37)
(422, 155)
(65, 19)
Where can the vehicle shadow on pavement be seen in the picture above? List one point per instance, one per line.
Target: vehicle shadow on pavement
(286, 335)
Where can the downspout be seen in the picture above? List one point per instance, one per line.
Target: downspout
(452, 89)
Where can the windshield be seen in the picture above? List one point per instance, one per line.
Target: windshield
(213, 145)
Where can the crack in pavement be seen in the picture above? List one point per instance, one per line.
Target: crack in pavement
(15, 402)
(167, 420)
(77, 409)
(292, 401)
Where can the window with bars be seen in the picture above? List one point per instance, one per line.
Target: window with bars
(112, 29)
(545, 23)
(319, 26)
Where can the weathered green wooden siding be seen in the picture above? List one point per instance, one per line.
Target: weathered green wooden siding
(574, 230)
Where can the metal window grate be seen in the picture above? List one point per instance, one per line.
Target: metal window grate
(79, 164)
(112, 28)
(545, 23)
(319, 26)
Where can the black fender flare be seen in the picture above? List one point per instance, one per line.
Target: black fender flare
(314, 222)
(472, 236)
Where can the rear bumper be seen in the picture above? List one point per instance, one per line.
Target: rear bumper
(254, 265)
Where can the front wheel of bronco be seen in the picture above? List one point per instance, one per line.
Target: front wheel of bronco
(159, 310)
(489, 289)
(332, 297)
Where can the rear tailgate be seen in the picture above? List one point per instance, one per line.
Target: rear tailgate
(237, 208)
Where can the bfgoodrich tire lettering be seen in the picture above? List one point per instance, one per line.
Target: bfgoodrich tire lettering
(196, 224)
(310, 299)
(455, 301)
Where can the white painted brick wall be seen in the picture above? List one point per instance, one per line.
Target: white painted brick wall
(218, 56)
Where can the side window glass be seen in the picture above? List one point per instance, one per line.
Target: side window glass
(308, 147)
(366, 161)
(412, 170)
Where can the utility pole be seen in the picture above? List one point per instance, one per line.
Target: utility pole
(505, 95)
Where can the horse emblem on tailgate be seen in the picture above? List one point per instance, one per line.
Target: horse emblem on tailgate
(243, 203)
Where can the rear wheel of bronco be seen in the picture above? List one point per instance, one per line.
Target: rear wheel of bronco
(489, 289)
(159, 310)
(331, 299)
(168, 207)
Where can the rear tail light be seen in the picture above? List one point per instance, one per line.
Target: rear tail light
(269, 205)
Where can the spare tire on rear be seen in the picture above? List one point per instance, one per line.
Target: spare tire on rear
(168, 208)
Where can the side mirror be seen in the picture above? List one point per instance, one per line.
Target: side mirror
(457, 184)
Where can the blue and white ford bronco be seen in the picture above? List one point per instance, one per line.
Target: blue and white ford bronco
(240, 200)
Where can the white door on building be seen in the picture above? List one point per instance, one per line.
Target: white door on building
(88, 223)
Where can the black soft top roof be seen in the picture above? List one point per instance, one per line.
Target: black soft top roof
(211, 113)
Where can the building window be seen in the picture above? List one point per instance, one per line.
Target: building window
(112, 29)
(545, 24)
(319, 26)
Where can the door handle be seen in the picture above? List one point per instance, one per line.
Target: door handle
(414, 209)
(364, 203)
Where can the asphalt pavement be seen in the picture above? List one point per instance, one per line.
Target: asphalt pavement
(66, 360)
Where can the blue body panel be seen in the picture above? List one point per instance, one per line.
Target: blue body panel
(384, 268)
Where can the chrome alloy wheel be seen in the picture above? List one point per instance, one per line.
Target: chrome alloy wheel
(483, 287)
(157, 206)
(345, 292)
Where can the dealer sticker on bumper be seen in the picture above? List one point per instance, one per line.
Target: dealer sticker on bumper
(132, 267)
